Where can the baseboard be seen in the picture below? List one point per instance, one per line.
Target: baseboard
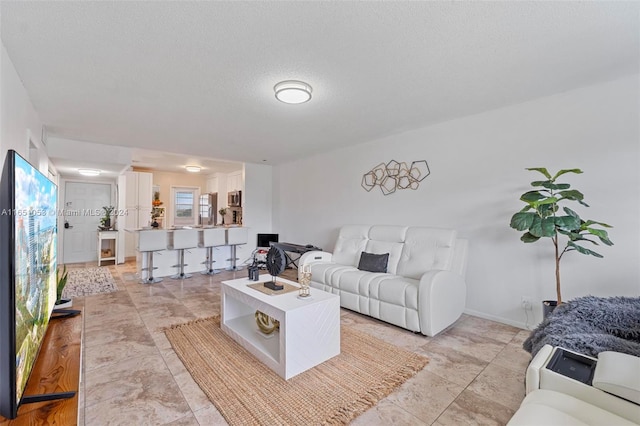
(500, 319)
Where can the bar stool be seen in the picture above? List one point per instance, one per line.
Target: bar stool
(235, 237)
(210, 238)
(183, 239)
(148, 242)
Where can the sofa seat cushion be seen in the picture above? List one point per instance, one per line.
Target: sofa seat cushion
(396, 290)
(546, 407)
(359, 282)
(329, 273)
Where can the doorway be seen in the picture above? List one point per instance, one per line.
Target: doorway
(83, 204)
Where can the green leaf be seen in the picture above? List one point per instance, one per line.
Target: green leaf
(532, 196)
(583, 250)
(564, 171)
(602, 234)
(550, 185)
(540, 182)
(570, 212)
(568, 223)
(593, 222)
(541, 170)
(527, 237)
(545, 210)
(549, 200)
(522, 221)
(544, 227)
(572, 194)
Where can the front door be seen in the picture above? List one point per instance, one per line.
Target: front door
(83, 204)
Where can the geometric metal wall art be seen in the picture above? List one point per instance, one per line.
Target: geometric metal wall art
(394, 175)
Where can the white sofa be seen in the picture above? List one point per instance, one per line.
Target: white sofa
(423, 290)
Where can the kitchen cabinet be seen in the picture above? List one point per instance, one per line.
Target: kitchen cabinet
(212, 184)
(234, 181)
(135, 196)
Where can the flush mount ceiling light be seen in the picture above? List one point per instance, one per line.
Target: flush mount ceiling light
(293, 92)
(89, 172)
(193, 169)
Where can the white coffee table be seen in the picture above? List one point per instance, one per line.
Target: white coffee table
(309, 328)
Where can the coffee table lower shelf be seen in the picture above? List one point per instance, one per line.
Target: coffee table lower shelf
(245, 328)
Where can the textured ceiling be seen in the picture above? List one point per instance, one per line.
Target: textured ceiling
(198, 77)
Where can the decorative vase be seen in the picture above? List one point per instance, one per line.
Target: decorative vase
(305, 280)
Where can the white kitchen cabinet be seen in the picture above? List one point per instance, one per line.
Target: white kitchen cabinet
(134, 196)
(234, 181)
(212, 184)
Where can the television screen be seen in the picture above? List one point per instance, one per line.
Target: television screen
(265, 240)
(28, 204)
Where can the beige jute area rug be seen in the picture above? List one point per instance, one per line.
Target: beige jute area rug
(246, 392)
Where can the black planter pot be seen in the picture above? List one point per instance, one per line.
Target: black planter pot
(63, 303)
(547, 307)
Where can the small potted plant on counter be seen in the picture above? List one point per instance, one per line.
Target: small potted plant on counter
(223, 212)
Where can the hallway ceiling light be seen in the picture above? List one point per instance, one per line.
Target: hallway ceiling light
(89, 172)
(193, 169)
(293, 92)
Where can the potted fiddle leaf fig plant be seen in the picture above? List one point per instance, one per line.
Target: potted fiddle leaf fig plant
(541, 218)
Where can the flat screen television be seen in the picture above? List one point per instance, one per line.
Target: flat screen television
(265, 240)
(28, 247)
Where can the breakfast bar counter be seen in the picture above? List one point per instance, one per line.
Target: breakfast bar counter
(166, 262)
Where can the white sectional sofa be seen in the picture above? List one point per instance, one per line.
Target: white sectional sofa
(423, 288)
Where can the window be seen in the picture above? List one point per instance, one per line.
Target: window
(184, 205)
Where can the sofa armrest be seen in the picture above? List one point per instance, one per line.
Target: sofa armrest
(314, 256)
(532, 376)
(441, 300)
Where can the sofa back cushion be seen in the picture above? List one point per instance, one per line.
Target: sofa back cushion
(352, 241)
(387, 239)
(426, 249)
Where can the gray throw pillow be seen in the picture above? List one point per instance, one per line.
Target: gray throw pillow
(373, 262)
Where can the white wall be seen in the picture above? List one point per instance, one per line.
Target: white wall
(19, 121)
(257, 199)
(477, 175)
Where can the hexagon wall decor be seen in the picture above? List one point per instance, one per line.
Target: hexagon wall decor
(395, 175)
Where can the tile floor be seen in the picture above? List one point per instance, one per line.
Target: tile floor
(131, 376)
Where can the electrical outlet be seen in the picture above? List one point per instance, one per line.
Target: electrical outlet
(525, 302)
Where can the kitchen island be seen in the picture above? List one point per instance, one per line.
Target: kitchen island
(165, 260)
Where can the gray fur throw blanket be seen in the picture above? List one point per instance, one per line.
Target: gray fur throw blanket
(590, 325)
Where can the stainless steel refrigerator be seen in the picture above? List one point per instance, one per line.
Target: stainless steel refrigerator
(208, 209)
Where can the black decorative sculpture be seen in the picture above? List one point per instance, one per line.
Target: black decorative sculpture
(276, 263)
